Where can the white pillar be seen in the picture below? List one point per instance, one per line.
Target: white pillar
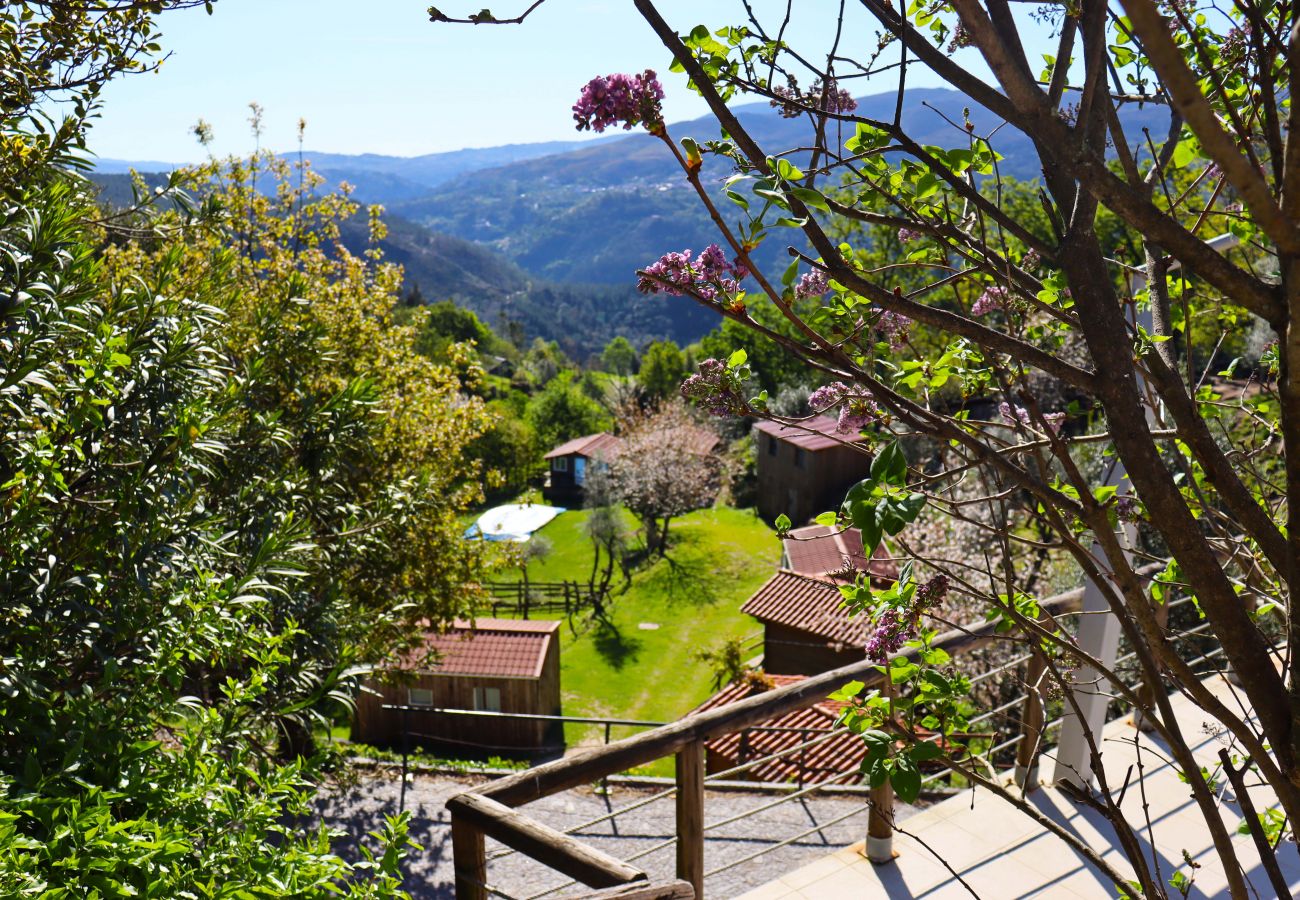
(1098, 627)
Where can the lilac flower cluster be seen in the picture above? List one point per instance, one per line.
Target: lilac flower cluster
(960, 38)
(830, 98)
(616, 99)
(1031, 260)
(827, 396)
(858, 410)
(1126, 507)
(676, 275)
(1234, 44)
(898, 625)
(893, 327)
(907, 235)
(994, 297)
(1015, 414)
(715, 388)
(856, 414)
(812, 284)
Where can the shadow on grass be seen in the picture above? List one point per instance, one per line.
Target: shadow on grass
(684, 582)
(616, 648)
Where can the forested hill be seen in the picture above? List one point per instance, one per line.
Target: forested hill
(599, 212)
(550, 235)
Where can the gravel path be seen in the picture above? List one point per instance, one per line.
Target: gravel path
(833, 822)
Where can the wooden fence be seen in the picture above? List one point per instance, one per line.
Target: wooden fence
(545, 598)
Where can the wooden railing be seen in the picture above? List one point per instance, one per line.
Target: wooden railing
(491, 809)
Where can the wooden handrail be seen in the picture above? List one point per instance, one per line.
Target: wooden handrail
(488, 810)
(590, 765)
(542, 843)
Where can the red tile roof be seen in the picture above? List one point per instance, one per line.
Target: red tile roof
(818, 551)
(839, 755)
(505, 648)
(807, 604)
(590, 446)
(816, 433)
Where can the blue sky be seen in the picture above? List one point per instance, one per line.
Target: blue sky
(378, 77)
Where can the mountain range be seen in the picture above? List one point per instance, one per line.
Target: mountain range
(493, 227)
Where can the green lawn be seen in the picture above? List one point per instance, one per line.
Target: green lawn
(717, 558)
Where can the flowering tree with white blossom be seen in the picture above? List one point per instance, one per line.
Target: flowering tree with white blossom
(1006, 347)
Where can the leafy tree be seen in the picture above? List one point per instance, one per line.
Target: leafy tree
(659, 472)
(948, 347)
(619, 357)
(662, 368)
(206, 475)
(562, 411)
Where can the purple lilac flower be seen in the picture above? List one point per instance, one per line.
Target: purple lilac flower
(887, 639)
(1126, 507)
(857, 414)
(714, 388)
(831, 98)
(676, 275)
(1213, 172)
(827, 396)
(893, 327)
(1031, 260)
(994, 297)
(1019, 414)
(620, 99)
(931, 594)
(1234, 43)
(812, 284)
(960, 38)
(896, 626)
(907, 235)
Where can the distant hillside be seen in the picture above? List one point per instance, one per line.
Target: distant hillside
(582, 318)
(599, 212)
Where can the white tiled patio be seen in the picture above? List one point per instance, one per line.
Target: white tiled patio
(1001, 853)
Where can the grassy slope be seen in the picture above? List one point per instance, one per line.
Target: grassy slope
(717, 559)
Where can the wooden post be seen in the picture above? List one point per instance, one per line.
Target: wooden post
(690, 815)
(1147, 690)
(469, 857)
(1032, 716)
(880, 824)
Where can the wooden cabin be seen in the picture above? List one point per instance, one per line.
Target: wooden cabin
(569, 464)
(806, 629)
(805, 471)
(493, 665)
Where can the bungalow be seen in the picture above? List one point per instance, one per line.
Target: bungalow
(805, 470)
(569, 462)
(488, 666)
(806, 629)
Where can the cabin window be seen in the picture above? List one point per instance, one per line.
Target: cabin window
(560, 464)
(487, 699)
(771, 445)
(579, 470)
(419, 697)
(800, 458)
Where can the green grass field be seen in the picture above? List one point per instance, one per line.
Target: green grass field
(641, 664)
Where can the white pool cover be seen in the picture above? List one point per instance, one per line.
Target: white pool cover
(512, 522)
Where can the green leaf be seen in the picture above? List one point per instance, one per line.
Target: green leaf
(906, 780)
(849, 691)
(890, 466)
(925, 751)
(829, 519)
(737, 359)
(782, 523)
